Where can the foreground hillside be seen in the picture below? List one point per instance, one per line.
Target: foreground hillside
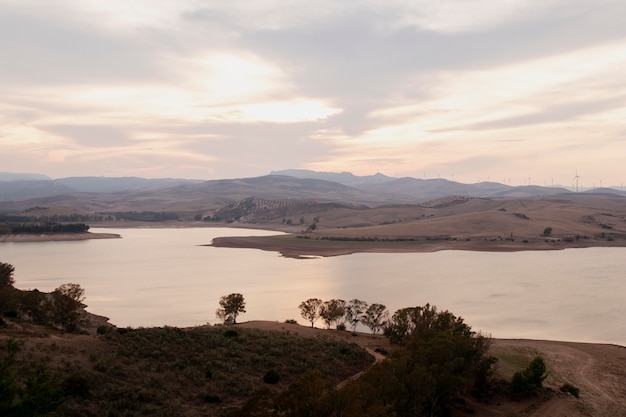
(202, 371)
(212, 371)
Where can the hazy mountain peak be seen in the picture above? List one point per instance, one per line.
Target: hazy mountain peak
(13, 176)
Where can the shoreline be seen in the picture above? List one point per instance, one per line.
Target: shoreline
(296, 245)
(55, 237)
(293, 247)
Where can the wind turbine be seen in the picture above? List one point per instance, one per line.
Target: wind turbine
(576, 179)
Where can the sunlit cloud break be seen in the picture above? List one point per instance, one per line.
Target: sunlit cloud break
(483, 90)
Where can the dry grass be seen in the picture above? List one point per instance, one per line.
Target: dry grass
(477, 224)
(170, 371)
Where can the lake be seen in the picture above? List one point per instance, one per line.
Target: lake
(156, 277)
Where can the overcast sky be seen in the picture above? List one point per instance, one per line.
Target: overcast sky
(511, 91)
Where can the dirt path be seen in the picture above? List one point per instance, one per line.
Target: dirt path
(377, 359)
(599, 371)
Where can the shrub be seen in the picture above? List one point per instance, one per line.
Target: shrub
(103, 329)
(291, 321)
(212, 399)
(526, 381)
(76, 386)
(341, 327)
(571, 389)
(230, 333)
(271, 377)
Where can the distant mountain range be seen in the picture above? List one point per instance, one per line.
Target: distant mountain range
(98, 194)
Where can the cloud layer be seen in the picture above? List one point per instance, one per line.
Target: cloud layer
(481, 90)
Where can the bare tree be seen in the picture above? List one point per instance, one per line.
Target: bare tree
(310, 310)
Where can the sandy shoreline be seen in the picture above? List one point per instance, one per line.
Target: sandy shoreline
(55, 237)
(292, 246)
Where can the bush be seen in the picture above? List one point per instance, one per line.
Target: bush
(530, 379)
(291, 321)
(231, 333)
(76, 386)
(571, 389)
(341, 327)
(271, 377)
(212, 399)
(103, 329)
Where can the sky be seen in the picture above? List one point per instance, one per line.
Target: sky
(513, 91)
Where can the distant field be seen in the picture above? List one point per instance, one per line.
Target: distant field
(474, 224)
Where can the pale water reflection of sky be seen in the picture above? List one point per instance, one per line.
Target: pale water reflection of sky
(156, 277)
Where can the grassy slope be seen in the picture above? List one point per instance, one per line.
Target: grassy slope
(171, 371)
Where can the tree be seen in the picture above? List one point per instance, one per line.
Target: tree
(6, 274)
(401, 326)
(231, 305)
(412, 321)
(332, 311)
(7, 292)
(73, 291)
(354, 312)
(310, 310)
(67, 301)
(547, 231)
(375, 317)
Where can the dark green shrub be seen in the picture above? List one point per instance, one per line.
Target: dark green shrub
(291, 321)
(519, 385)
(535, 373)
(530, 379)
(571, 389)
(271, 377)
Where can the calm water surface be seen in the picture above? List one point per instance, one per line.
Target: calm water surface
(155, 277)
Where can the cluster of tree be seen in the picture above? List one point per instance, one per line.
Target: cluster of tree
(338, 312)
(54, 218)
(146, 216)
(440, 359)
(44, 228)
(63, 308)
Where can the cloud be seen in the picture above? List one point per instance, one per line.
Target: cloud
(238, 88)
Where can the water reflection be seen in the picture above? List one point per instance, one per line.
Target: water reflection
(154, 277)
